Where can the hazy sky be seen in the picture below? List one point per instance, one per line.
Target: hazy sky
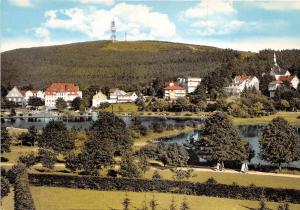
(245, 25)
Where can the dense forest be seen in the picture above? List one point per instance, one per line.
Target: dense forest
(129, 64)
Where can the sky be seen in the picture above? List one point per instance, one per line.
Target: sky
(249, 25)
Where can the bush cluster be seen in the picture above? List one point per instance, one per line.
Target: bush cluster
(23, 199)
(182, 187)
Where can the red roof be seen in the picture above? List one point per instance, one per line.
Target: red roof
(173, 86)
(243, 77)
(286, 78)
(62, 87)
(281, 79)
(112, 90)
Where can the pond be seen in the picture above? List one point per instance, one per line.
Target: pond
(85, 122)
(251, 133)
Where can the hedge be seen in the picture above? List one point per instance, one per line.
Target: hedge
(181, 187)
(23, 199)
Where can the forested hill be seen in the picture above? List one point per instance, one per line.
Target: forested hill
(126, 64)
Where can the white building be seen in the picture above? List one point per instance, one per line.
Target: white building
(173, 91)
(293, 80)
(66, 91)
(16, 95)
(277, 71)
(34, 93)
(99, 98)
(280, 76)
(240, 83)
(191, 83)
(129, 97)
(114, 94)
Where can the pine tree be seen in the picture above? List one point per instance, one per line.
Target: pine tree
(153, 204)
(126, 202)
(173, 205)
(279, 143)
(184, 205)
(221, 141)
(262, 205)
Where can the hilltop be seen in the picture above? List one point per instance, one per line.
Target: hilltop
(105, 63)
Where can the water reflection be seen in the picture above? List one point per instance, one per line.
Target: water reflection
(250, 133)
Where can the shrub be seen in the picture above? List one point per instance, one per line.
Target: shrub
(180, 187)
(23, 199)
(112, 173)
(211, 180)
(156, 175)
(28, 160)
(47, 157)
(182, 174)
(15, 171)
(4, 187)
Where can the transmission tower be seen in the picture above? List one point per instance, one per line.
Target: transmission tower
(113, 31)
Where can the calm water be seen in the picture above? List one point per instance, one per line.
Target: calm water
(85, 122)
(251, 133)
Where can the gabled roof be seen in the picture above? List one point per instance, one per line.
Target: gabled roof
(242, 78)
(286, 78)
(173, 86)
(62, 87)
(15, 90)
(129, 93)
(100, 96)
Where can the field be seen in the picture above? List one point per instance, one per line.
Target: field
(52, 198)
(17, 151)
(291, 117)
(240, 178)
(198, 176)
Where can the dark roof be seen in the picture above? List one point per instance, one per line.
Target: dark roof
(278, 71)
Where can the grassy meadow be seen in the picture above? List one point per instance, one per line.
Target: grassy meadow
(54, 198)
(239, 178)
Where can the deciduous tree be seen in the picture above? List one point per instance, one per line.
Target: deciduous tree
(56, 136)
(220, 140)
(61, 104)
(75, 104)
(5, 140)
(279, 143)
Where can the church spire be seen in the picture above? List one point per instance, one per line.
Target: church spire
(275, 62)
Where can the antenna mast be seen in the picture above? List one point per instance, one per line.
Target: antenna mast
(113, 31)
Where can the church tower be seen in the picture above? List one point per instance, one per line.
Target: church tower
(275, 61)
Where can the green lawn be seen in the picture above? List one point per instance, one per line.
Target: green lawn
(122, 107)
(54, 198)
(17, 151)
(151, 136)
(8, 201)
(291, 117)
(198, 176)
(240, 178)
